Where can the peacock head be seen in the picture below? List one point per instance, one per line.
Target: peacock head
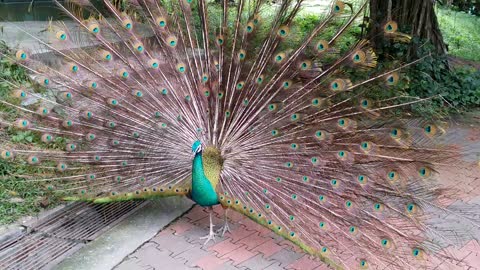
(196, 147)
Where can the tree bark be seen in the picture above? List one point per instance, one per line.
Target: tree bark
(414, 17)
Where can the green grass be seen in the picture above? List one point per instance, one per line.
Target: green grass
(461, 32)
(18, 197)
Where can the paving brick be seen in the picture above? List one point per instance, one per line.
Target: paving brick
(250, 224)
(196, 213)
(323, 266)
(239, 233)
(252, 241)
(274, 266)
(473, 260)
(268, 248)
(257, 262)
(133, 263)
(181, 226)
(286, 257)
(149, 255)
(235, 217)
(240, 255)
(224, 247)
(304, 263)
(210, 262)
(192, 256)
(174, 244)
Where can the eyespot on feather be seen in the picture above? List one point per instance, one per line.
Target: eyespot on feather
(73, 67)
(61, 35)
(358, 57)
(47, 138)
(340, 85)
(138, 46)
(20, 93)
(425, 172)
(287, 84)
(386, 243)
(127, 24)
(22, 123)
(418, 253)
(390, 27)
(338, 7)
(32, 160)
(280, 57)
(21, 55)
(161, 22)
(283, 31)
(365, 104)
(305, 65)
(105, 55)
(322, 46)
(250, 27)
(181, 67)
(123, 73)
(43, 111)
(153, 63)
(392, 79)
(93, 27)
(242, 54)
(7, 154)
(321, 135)
(112, 102)
(67, 123)
(220, 40)
(171, 41)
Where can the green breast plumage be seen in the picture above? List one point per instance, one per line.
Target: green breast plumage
(205, 176)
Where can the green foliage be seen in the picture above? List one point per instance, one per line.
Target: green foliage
(460, 32)
(446, 90)
(470, 6)
(305, 23)
(23, 137)
(457, 90)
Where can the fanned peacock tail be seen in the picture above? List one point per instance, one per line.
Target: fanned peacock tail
(290, 138)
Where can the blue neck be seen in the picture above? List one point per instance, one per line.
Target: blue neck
(203, 192)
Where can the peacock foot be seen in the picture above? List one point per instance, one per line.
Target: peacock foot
(225, 228)
(210, 236)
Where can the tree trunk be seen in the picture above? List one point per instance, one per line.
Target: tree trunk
(415, 17)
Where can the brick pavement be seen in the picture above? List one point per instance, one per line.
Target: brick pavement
(248, 246)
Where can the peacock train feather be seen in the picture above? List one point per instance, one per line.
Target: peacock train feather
(233, 105)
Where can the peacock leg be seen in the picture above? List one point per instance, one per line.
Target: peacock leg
(225, 227)
(211, 235)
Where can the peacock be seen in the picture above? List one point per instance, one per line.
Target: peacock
(231, 103)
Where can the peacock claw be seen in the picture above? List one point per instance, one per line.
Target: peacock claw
(225, 228)
(210, 236)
